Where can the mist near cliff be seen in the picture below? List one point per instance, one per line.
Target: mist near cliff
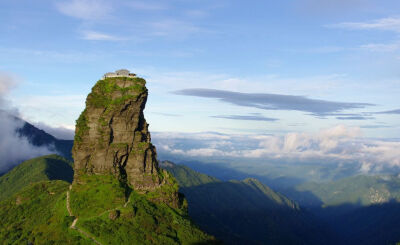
(14, 147)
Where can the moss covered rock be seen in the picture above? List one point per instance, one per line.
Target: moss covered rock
(112, 135)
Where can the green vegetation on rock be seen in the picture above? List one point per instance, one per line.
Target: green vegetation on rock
(116, 216)
(101, 96)
(51, 167)
(112, 135)
(81, 127)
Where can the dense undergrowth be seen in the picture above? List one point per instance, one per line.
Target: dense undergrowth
(38, 215)
(95, 198)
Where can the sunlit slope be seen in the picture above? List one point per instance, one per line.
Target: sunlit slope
(51, 167)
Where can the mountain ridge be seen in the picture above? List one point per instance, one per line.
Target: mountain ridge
(246, 211)
(50, 167)
(39, 137)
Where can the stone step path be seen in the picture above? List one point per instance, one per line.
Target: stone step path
(126, 204)
(68, 207)
(73, 225)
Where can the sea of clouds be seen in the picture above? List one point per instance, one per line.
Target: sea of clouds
(339, 144)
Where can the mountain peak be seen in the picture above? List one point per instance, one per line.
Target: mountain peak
(112, 135)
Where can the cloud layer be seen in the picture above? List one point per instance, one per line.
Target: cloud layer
(13, 148)
(98, 36)
(274, 101)
(58, 132)
(390, 112)
(7, 83)
(256, 117)
(85, 9)
(339, 144)
(384, 24)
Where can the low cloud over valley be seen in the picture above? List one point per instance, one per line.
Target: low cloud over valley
(13, 147)
(339, 144)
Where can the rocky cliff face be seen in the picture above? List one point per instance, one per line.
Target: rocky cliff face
(112, 135)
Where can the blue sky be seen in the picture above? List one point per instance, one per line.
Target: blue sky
(234, 67)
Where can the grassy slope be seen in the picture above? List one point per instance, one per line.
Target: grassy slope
(243, 211)
(38, 215)
(186, 176)
(51, 167)
(141, 221)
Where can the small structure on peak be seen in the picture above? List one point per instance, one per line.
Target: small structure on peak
(119, 73)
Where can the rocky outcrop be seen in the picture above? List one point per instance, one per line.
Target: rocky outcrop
(112, 135)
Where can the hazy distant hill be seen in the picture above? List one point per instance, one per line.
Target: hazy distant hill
(51, 167)
(359, 209)
(245, 212)
(361, 190)
(22, 141)
(39, 137)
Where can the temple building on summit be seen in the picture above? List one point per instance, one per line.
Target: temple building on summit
(119, 73)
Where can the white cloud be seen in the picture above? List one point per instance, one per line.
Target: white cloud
(7, 83)
(13, 147)
(65, 56)
(57, 102)
(205, 152)
(147, 5)
(385, 24)
(173, 28)
(196, 13)
(98, 36)
(61, 132)
(337, 144)
(85, 9)
(271, 83)
(329, 7)
(381, 47)
(51, 107)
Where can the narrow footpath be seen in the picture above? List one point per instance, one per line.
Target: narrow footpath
(73, 225)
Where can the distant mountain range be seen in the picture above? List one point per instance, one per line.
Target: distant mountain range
(359, 190)
(354, 210)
